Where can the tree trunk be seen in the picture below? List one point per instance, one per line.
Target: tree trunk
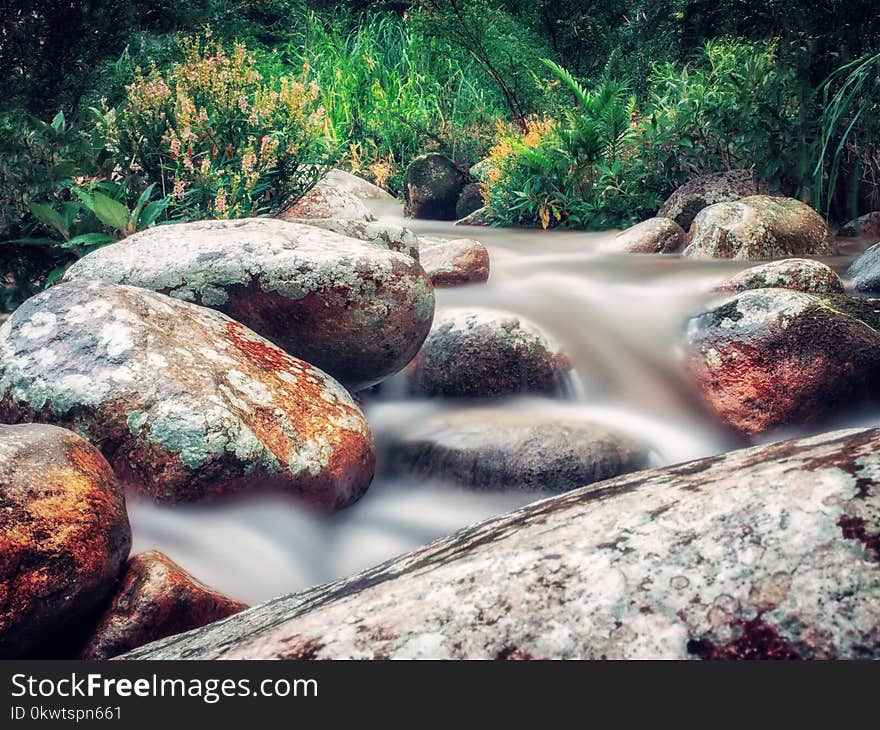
(767, 552)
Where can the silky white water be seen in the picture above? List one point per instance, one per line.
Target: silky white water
(619, 318)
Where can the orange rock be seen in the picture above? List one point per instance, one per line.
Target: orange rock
(156, 598)
(64, 536)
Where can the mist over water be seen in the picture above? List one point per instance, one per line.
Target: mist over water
(619, 317)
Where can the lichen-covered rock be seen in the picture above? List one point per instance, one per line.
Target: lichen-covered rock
(456, 262)
(655, 235)
(705, 190)
(865, 270)
(507, 450)
(479, 171)
(867, 226)
(803, 275)
(358, 311)
(183, 402)
(470, 200)
(767, 358)
(155, 598)
(759, 228)
(432, 187)
(329, 200)
(766, 553)
(479, 352)
(64, 536)
(479, 217)
(357, 186)
(386, 235)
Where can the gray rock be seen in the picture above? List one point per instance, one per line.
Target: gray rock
(432, 186)
(358, 311)
(705, 190)
(865, 270)
(183, 402)
(759, 228)
(767, 358)
(470, 200)
(357, 186)
(329, 200)
(456, 262)
(867, 225)
(803, 275)
(768, 552)
(386, 235)
(655, 235)
(480, 352)
(498, 449)
(479, 217)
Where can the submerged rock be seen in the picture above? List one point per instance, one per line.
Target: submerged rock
(64, 536)
(456, 262)
(765, 553)
(513, 451)
(358, 311)
(184, 402)
(865, 270)
(479, 352)
(655, 235)
(155, 598)
(759, 228)
(705, 190)
(432, 185)
(803, 275)
(773, 357)
(386, 235)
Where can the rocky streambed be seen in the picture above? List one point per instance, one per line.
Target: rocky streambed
(263, 406)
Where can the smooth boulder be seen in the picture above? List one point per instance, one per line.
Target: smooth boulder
(705, 190)
(64, 536)
(655, 235)
(432, 186)
(357, 311)
(456, 262)
(475, 352)
(769, 358)
(470, 200)
(764, 553)
(803, 275)
(328, 199)
(362, 189)
(155, 598)
(759, 228)
(387, 235)
(184, 402)
(865, 270)
(508, 450)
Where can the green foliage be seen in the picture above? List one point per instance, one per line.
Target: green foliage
(219, 139)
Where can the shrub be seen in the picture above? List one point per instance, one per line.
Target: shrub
(220, 140)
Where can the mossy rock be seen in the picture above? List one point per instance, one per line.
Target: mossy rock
(432, 188)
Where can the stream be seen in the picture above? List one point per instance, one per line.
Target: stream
(619, 317)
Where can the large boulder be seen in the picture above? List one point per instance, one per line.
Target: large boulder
(865, 270)
(456, 262)
(329, 199)
(705, 190)
(357, 186)
(184, 402)
(655, 235)
(508, 450)
(155, 598)
(803, 275)
(759, 228)
(387, 235)
(64, 536)
(432, 186)
(480, 352)
(765, 553)
(358, 311)
(767, 358)
(470, 200)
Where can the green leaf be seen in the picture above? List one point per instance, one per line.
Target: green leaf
(31, 242)
(142, 201)
(55, 274)
(92, 239)
(48, 216)
(58, 121)
(151, 213)
(110, 212)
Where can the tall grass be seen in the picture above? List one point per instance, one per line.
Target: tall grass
(393, 94)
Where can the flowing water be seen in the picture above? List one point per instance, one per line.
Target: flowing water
(619, 317)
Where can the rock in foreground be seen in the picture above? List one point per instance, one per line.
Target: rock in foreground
(803, 275)
(773, 357)
(766, 553)
(155, 598)
(357, 311)
(64, 537)
(476, 352)
(513, 451)
(705, 190)
(183, 402)
(456, 262)
(759, 228)
(655, 235)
